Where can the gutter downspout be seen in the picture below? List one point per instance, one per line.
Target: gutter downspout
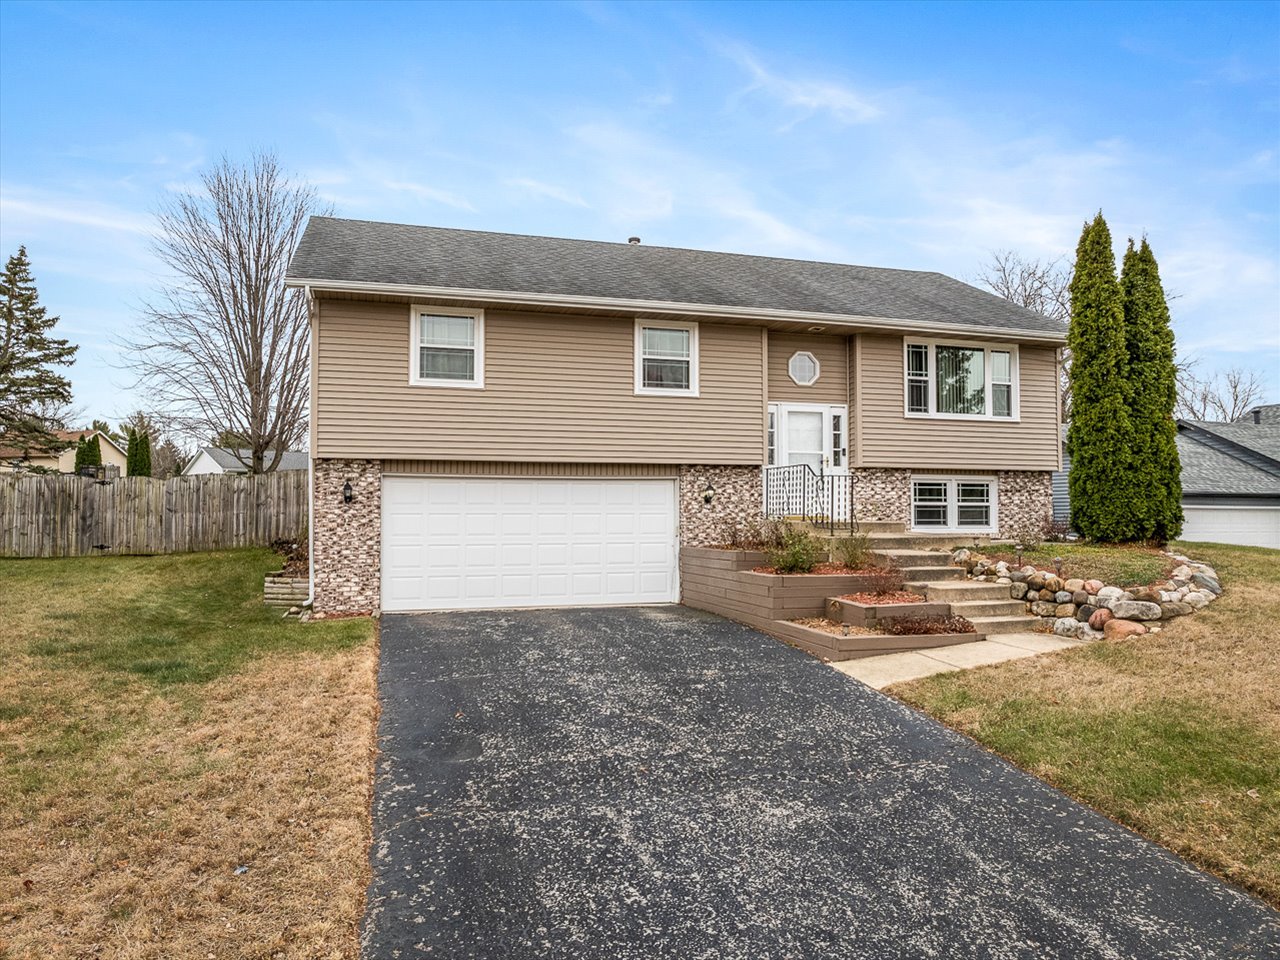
(311, 477)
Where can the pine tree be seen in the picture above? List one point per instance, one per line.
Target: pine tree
(1105, 494)
(1152, 375)
(144, 456)
(27, 352)
(93, 452)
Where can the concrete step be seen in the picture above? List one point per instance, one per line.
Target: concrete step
(918, 541)
(988, 608)
(960, 591)
(881, 526)
(932, 574)
(994, 625)
(916, 558)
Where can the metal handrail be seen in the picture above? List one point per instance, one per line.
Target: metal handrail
(797, 490)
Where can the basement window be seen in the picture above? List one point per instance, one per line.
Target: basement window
(953, 504)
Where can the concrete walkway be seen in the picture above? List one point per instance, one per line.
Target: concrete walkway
(880, 672)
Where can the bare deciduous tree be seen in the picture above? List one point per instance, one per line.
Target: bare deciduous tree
(225, 346)
(1040, 285)
(1223, 396)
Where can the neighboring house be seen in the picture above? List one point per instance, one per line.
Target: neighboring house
(225, 460)
(1231, 479)
(512, 421)
(113, 457)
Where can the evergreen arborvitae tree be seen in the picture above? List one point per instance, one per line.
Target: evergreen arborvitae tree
(93, 452)
(1149, 343)
(82, 453)
(144, 456)
(131, 453)
(27, 352)
(1105, 493)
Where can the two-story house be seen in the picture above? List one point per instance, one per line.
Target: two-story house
(514, 421)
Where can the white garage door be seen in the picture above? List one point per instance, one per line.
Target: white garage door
(476, 543)
(1248, 526)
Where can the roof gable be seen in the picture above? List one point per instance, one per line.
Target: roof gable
(391, 255)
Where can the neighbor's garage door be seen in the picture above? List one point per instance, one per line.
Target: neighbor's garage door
(1249, 526)
(475, 543)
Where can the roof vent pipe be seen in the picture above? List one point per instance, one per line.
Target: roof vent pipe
(633, 239)
(1257, 414)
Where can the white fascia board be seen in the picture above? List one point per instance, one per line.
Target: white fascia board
(663, 306)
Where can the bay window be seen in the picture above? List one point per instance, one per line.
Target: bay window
(960, 380)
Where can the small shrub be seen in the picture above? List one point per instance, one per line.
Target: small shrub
(884, 579)
(1054, 531)
(915, 626)
(797, 551)
(854, 551)
(731, 532)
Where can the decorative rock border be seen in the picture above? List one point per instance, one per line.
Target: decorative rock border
(1090, 609)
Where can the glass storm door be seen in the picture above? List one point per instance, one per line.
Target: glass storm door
(809, 433)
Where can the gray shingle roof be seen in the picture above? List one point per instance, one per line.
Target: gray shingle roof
(362, 251)
(1266, 413)
(1211, 467)
(226, 459)
(1257, 438)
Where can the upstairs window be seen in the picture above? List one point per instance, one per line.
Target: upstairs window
(960, 381)
(803, 368)
(666, 358)
(447, 347)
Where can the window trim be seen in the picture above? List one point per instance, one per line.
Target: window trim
(817, 368)
(931, 345)
(953, 504)
(415, 346)
(638, 359)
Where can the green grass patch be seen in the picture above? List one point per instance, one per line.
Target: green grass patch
(1120, 565)
(185, 619)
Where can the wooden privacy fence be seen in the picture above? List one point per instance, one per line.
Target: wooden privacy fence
(66, 516)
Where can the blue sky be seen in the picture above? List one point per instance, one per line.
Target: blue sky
(915, 136)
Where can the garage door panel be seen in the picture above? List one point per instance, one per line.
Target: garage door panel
(1252, 526)
(492, 542)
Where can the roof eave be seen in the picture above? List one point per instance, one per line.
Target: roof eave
(315, 285)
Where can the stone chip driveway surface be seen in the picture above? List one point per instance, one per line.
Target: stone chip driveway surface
(658, 782)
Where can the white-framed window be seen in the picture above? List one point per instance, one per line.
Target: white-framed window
(772, 444)
(803, 368)
(446, 347)
(666, 358)
(839, 452)
(958, 380)
(954, 504)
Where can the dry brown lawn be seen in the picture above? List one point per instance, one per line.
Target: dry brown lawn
(160, 729)
(1175, 734)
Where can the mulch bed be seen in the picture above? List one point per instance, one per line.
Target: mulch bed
(835, 628)
(821, 570)
(884, 599)
(928, 626)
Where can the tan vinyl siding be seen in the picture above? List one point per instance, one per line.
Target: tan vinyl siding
(482, 468)
(557, 388)
(833, 383)
(890, 439)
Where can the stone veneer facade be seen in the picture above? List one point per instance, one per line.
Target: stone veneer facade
(1022, 497)
(739, 498)
(347, 537)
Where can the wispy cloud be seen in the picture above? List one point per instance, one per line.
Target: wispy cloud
(433, 194)
(34, 210)
(548, 190)
(805, 96)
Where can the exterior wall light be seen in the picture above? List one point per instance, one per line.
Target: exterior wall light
(347, 493)
(708, 493)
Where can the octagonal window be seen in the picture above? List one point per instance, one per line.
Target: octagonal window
(803, 368)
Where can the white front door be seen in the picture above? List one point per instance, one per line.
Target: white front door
(814, 434)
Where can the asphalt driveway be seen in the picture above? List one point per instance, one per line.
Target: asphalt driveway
(658, 782)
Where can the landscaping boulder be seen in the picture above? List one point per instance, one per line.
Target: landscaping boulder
(1182, 572)
(1109, 593)
(1174, 609)
(1120, 629)
(1134, 609)
(1017, 590)
(1062, 596)
(1065, 610)
(1043, 608)
(1053, 583)
(1147, 595)
(1093, 586)
(1017, 576)
(1073, 584)
(1031, 596)
(1036, 580)
(1066, 626)
(1205, 582)
(1079, 597)
(1100, 618)
(1084, 611)
(1195, 599)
